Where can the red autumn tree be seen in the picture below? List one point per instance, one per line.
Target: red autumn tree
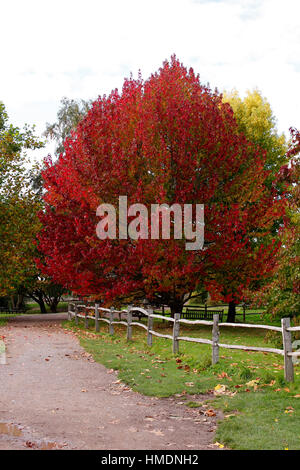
(281, 295)
(168, 139)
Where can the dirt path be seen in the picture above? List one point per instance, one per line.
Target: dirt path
(59, 397)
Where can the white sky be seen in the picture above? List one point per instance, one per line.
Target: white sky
(82, 49)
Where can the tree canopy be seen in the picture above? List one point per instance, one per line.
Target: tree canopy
(18, 205)
(68, 116)
(257, 122)
(168, 139)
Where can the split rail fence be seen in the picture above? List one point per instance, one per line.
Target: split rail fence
(108, 316)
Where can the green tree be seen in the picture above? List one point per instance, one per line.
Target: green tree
(68, 116)
(20, 202)
(282, 294)
(18, 205)
(257, 122)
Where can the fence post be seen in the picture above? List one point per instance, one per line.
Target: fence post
(287, 346)
(86, 320)
(150, 327)
(111, 319)
(69, 312)
(76, 313)
(97, 323)
(129, 321)
(215, 339)
(244, 313)
(176, 328)
(163, 312)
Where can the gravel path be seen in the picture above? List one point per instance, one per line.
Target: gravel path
(53, 395)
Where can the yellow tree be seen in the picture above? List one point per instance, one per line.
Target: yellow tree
(256, 120)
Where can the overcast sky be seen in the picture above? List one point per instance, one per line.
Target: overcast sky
(82, 49)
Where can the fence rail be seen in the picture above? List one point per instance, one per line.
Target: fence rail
(286, 331)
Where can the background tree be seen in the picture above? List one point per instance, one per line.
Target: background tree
(36, 286)
(257, 122)
(165, 140)
(18, 205)
(69, 115)
(20, 202)
(281, 295)
(43, 291)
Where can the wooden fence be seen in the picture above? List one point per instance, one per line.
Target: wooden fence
(108, 316)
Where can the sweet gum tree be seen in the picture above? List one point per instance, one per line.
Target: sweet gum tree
(168, 139)
(281, 295)
(255, 119)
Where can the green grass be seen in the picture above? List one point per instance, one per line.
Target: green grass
(33, 307)
(157, 372)
(3, 320)
(266, 420)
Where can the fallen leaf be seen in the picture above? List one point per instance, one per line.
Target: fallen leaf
(223, 375)
(210, 412)
(157, 432)
(220, 389)
(253, 383)
(132, 429)
(221, 446)
(29, 444)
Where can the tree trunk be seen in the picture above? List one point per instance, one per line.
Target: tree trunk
(20, 301)
(176, 307)
(12, 301)
(53, 306)
(39, 299)
(42, 305)
(231, 312)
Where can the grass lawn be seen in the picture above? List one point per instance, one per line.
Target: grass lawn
(264, 410)
(33, 307)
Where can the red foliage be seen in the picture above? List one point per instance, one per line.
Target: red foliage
(165, 140)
